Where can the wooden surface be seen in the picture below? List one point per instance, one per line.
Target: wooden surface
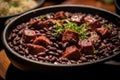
(4, 61)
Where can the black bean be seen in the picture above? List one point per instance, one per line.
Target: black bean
(21, 42)
(60, 44)
(56, 62)
(119, 35)
(35, 56)
(114, 33)
(89, 56)
(79, 61)
(15, 31)
(48, 36)
(48, 33)
(20, 47)
(63, 59)
(50, 28)
(53, 59)
(101, 51)
(102, 47)
(73, 62)
(41, 58)
(22, 52)
(59, 51)
(43, 34)
(63, 62)
(105, 41)
(117, 43)
(83, 59)
(10, 44)
(47, 58)
(53, 53)
(105, 54)
(59, 36)
(68, 62)
(26, 51)
(42, 31)
(41, 54)
(13, 35)
(9, 38)
(30, 56)
(116, 49)
(16, 48)
(50, 56)
(52, 48)
(56, 45)
(52, 38)
(114, 40)
(64, 45)
(45, 29)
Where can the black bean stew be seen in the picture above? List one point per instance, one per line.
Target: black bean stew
(66, 38)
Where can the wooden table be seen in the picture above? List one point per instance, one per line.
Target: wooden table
(4, 61)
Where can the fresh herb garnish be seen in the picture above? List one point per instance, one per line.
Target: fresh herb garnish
(95, 52)
(108, 26)
(42, 17)
(81, 30)
(58, 29)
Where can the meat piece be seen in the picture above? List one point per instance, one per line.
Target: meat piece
(35, 49)
(86, 47)
(72, 53)
(92, 22)
(38, 24)
(45, 23)
(70, 36)
(77, 18)
(60, 15)
(94, 36)
(29, 35)
(104, 32)
(34, 23)
(42, 40)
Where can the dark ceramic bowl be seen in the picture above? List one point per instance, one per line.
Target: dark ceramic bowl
(117, 6)
(4, 20)
(30, 65)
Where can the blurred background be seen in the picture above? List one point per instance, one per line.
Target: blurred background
(106, 4)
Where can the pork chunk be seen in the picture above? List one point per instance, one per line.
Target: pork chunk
(42, 40)
(77, 18)
(72, 53)
(92, 22)
(39, 24)
(60, 15)
(45, 23)
(29, 35)
(86, 47)
(35, 49)
(104, 32)
(94, 37)
(70, 36)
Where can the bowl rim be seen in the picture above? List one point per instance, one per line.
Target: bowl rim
(51, 64)
(41, 2)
